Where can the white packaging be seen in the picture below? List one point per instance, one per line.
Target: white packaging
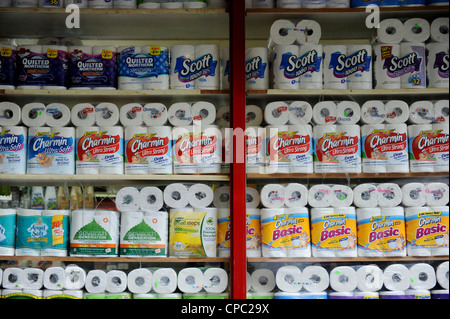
(257, 68)
(397, 277)
(159, 151)
(369, 278)
(184, 159)
(437, 69)
(385, 75)
(86, 162)
(262, 280)
(365, 195)
(284, 71)
(33, 114)
(131, 114)
(106, 114)
(332, 76)
(358, 67)
(155, 114)
(10, 114)
(343, 279)
(136, 161)
(289, 279)
(421, 154)
(423, 276)
(210, 141)
(390, 31)
(111, 156)
(441, 144)
(282, 32)
(413, 195)
(96, 281)
(179, 76)
(180, 114)
(439, 29)
(276, 113)
(296, 195)
(209, 54)
(200, 195)
(348, 112)
(320, 196)
(83, 114)
(300, 113)
(416, 30)
(176, 195)
(414, 73)
(373, 112)
(309, 32)
(272, 196)
(13, 149)
(298, 146)
(164, 281)
(396, 111)
(223, 116)
(190, 280)
(442, 275)
(255, 149)
(325, 112)
(315, 279)
(276, 159)
(311, 66)
(139, 281)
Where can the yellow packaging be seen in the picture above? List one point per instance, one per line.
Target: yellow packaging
(253, 222)
(427, 229)
(382, 233)
(224, 233)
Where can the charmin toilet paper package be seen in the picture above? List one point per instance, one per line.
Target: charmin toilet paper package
(200, 196)
(7, 232)
(257, 68)
(51, 150)
(296, 195)
(441, 113)
(436, 194)
(13, 149)
(325, 112)
(426, 231)
(210, 142)
(320, 196)
(342, 196)
(144, 234)
(253, 221)
(276, 160)
(422, 112)
(185, 161)
(94, 233)
(348, 112)
(437, 65)
(276, 113)
(106, 114)
(7, 66)
(397, 112)
(373, 112)
(255, 149)
(389, 195)
(333, 232)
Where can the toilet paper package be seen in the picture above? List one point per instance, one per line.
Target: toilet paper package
(224, 233)
(106, 114)
(96, 281)
(253, 221)
(387, 60)
(139, 281)
(285, 232)
(389, 195)
(426, 229)
(276, 113)
(436, 194)
(215, 280)
(92, 67)
(333, 232)
(337, 149)
(10, 114)
(31, 232)
(190, 280)
(7, 231)
(315, 279)
(57, 115)
(437, 65)
(298, 146)
(165, 280)
(86, 162)
(176, 196)
(208, 76)
(13, 148)
(51, 150)
(277, 161)
(416, 30)
(422, 112)
(441, 155)
(414, 195)
(210, 142)
(94, 233)
(418, 294)
(289, 279)
(325, 112)
(257, 68)
(357, 65)
(381, 232)
(343, 279)
(7, 66)
(193, 233)
(439, 294)
(144, 234)
(348, 112)
(311, 66)
(255, 149)
(296, 195)
(396, 277)
(180, 66)
(397, 112)
(423, 276)
(441, 113)
(54, 278)
(285, 75)
(320, 196)
(200, 196)
(58, 238)
(282, 32)
(334, 76)
(413, 71)
(262, 280)
(300, 113)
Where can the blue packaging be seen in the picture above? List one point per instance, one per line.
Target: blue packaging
(363, 3)
(7, 65)
(7, 230)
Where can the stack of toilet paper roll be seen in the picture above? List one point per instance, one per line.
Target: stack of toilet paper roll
(151, 114)
(419, 194)
(334, 195)
(429, 112)
(287, 32)
(132, 199)
(385, 112)
(102, 114)
(53, 115)
(195, 280)
(437, 50)
(292, 279)
(288, 112)
(71, 277)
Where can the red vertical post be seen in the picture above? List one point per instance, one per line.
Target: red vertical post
(238, 172)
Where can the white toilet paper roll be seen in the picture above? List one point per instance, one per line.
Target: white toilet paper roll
(289, 279)
(116, 281)
(390, 31)
(439, 29)
(33, 114)
(320, 196)
(365, 195)
(343, 279)
(155, 114)
(83, 114)
(325, 112)
(276, 113)
(254, 115)
(151, 199)
(10, 114)
(223, 116)
(315, 279)
(423, 276)
(416, 30)
(54, 278)
(222, 197)
(131, 114)
(369, 278)
(373, 112)
(200, 195)
(257, 68)
(13, 278)
(282, 32)
(127, 199)
(358, 63)
(413, 195)
(210, 78)
(396, 111)
(164, 281)
(332, 79)
(389, 195)
(308, 32)
(342, 196)
(204, 113)
(437, 194)
(296, 195)
(442, 275)
(139, 281)
(180, 114)
(57, 115)
(74, 277)
(348, 112)
(96, 281)
(190, 280)
(33, 278)
(176, 195)
(106, 114)
(300, 113)
(284, 73)
(215, 280)
(179, 54)
(441, 111)
(397, 277)
(273, 196)
(253, 198)
(262, 280)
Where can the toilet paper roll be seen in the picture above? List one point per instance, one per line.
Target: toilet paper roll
(111, 160)
(204, 113)
(139, 281)
(131, 114)
(86, 163)
(276, 113)
(413, 75)
(416, 30)
(423, 276)
(151, 199)
(343, 279)
(106, 114)
(369, 278)
(308, 32)
(389, 195)
(57, 115)
(184, 159)
(96, 281)
(254, 116)
(128, 199)
(396, 112)
(311, 57)
(180, 114)
(420, 159)
(190, 280)
(215, 280)
(33, 278)
(10, 114)
(439, 29)
(341, 196)
(176, 195)
(325, 112)
(282, 32)
(320, 196)
(164, 281)
(437, 194)
(300, 113)
(13, 278)
(222, 197)
(257, 68)
(155, 114)
(179, 54)
(384, 76)
(200, 195)
(397, 277)
(210, 78)
(284, 75)
(74, 277)
(315, 279)
(365, 195)
(33, 114)
(441, 111)
(360, 69)
(13, 152)
(83, 114)
(54, 278)
(116, 281)
(437, 70)
(289, 279)
(391, 31)
(273, 196)
(296, 195)
(253, 198)
(331, 77)
(373, 112)
(442, 275)
(348, 112)
(262, 280)
(413, 195)
(223, 116)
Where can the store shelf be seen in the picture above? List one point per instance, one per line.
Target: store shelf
(348, 175)
(125, 93)
(325, 92)
(116, 23)
(348, 260)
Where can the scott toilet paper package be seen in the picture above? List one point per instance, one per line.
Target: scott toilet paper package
(257, 68)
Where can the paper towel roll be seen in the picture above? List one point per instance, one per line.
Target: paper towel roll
(373, 112)
(179, 77)
(365, 195)
(437, 67)
(116, 281)
(257, 68)
(215, 280)
(262, 280)
(176, 195)
(348, 112)
(190, 280)
(325, 112)
(253, 198)
(442, 275)
(437, 194)
(96, 281)
(390, 31)
(106, 114)
(128, 199)
(441, 111)
(414, 73)
(308, 32)
(396, 111)
(131, 114)
(343, 279)
(57, 115)
(439, 29)
(315, 279)
(33, 114)
(54, 278)
(296, 195)
(10, 114)
(289, 279)
(273, 196)
(155, 114)
(139, 281)
(423, 276)
(332, 78)
(200, 195)
(74, 277)
(385, 75)
(276, 113)
(416, 30)
(369, 278)
(282, 32)
(164, 281)
(397, 277)
(83, 114)
(389, 195)
(320, 196)
(413, 194)
(151, 199)
(33, 278)
(342, 196)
